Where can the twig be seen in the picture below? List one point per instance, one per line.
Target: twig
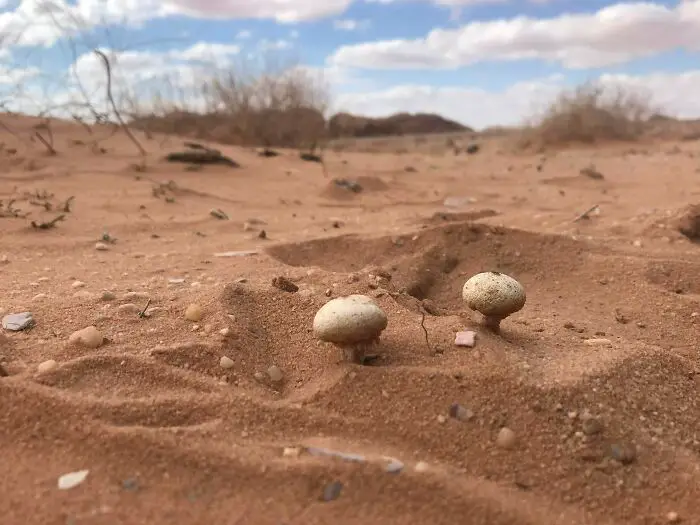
(586, 214)
(49, 224)
(142, 313)
(66, 205)
(49, 147)
(126, 129)
(425, 330)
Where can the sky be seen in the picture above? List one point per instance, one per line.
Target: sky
(480, 62)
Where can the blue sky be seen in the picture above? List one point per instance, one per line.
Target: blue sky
(482, 62)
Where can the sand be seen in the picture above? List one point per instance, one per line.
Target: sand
(595, 378)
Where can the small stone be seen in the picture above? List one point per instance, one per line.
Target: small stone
(193, 313)
(136, 296)
(598, 342)
(421, 466)
(506, 438)
(441, 419)
(291, 452)
(225, 332)
(72, 479)
(332, 491)
(39, 297)
(591, 426)
(108, 296)
(461, 413)
(89, 337)
(465, 338)
(101, 247)
(673, 517)
(226, 362)
(78, 284)
(129, 308)
(46, 366)
(17, 322)
(625, 454)
(275, 374)
(394, 467)
(284, 284)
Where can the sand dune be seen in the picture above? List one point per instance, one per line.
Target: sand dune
(597, 376)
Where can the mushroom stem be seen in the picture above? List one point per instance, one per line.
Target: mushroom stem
(356, 352)
(492, 322)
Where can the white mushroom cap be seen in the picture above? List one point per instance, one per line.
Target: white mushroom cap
(493, 294)
(350, 319)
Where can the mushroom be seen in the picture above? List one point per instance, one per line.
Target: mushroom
(353, 323)
(495, 295)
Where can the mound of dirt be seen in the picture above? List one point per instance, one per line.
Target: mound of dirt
(689, 223)
(347, 125)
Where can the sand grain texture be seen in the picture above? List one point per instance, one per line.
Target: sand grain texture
(597, 375)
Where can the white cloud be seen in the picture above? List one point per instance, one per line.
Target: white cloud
(348, 24)
(244, 35)
(283, 11)
(674, 94)
(613, 35)
(43, 22)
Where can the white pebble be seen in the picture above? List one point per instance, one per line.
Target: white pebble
(46, 366)
(78, 284)
(226, 362)
(89, 337)
(506, 438)
(101, 247)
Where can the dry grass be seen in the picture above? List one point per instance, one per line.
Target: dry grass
(589, 114)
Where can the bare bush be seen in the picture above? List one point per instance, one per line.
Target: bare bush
(285, 109)
(591, 113)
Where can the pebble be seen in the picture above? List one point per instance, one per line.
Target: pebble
(193, 313)
(673, 517)
(225, 332)
(465, 338)
(72, 479)
(46, 366)
(461, 413)
(284, 284)
(108, 296)
(101, 247)
(506, 438)
(226, 362)
(421, 466)
(291, 452)
(39, 297)
(78, 284)
(625, 454)
(591, 426)
(135, 296)
(394, 467)
(89, 337)
(598, 342)
(130, 308)
(275, 374)
(332, 491)
(17, 322)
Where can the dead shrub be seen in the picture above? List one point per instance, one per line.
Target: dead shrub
(285, 109)
(588, 114)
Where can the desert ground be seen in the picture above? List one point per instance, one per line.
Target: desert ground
(209, 400)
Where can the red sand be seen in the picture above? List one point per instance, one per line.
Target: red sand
(606, 431)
